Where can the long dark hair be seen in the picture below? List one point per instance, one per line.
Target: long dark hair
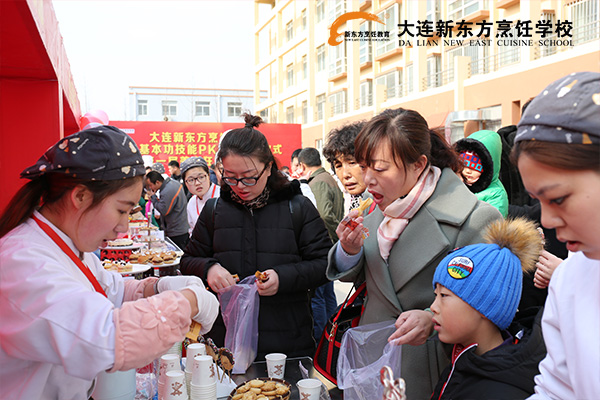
(409, 138)
(249, 142)
(577, 157)
(48, 189)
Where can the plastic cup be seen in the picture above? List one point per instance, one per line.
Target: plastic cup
(203, 371)
(309, 389)
(175, 388)
(276, 365)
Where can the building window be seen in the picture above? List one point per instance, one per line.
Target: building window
(169, 108)
(409, 78)
(433, 11)
(320, 10)
(142, 107)
(508, 55)
(393, 84)
(320, 106)
(434, 70)
(264, 114)
(289, 30)
(305, 112)
(477, 54)
(304, 20)
(234, 109)
(338, 102)
(289, 115)
(321, 58)
(365, 47)
(366, 93)
(290, 75)
(202, 109)
(458, 9)
(319, 146)
(391, 16)
(304, 67)
(337, 59)
(336, 8)
(585, 18)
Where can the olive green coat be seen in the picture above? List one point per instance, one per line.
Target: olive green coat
(452, 217)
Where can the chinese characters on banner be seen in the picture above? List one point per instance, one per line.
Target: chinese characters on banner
(167, 141)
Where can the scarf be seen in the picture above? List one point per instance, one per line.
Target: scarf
(355, 201)
(398, 213)
(253, 204)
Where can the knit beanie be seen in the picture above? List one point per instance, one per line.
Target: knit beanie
(488, 276)
(471, 160)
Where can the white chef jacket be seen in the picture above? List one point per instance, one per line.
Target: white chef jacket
(571, 328)
(195, 204)
(56, 332)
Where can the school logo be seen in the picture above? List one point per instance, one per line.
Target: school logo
(460, 267)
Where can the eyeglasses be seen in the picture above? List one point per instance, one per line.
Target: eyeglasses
(199, 179)
(250, 181)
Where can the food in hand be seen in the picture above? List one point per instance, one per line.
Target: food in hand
(364, 204)
(261, 276)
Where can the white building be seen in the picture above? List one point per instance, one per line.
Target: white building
(189, 104)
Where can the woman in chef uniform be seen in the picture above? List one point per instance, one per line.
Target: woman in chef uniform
(64, 319)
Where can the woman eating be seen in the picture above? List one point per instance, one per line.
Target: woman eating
(424, 211)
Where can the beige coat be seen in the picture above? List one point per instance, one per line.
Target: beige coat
(452, 217)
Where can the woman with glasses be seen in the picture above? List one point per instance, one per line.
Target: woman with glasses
(195, 174)
(261, 222)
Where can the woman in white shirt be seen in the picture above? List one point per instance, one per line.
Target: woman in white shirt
(557, 150)
(195, 174)
(64, 317)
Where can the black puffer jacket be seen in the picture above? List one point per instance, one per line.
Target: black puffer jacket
(244, 241)
(505, 372)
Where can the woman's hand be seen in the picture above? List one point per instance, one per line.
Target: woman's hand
(351, 240)
(270, 286)
(413, 327)
(219, 278)
(546, 265)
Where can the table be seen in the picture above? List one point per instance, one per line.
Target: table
(258, 369)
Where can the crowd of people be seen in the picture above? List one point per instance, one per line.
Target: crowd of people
(464, 250)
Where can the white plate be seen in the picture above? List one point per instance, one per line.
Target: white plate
(136, 269)
(132, 247)
(174, 263)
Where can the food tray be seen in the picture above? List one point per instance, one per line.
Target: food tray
(277, 397)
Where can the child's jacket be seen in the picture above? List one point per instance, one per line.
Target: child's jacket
(488, 146)
(506, 372)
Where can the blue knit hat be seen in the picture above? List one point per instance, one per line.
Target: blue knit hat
(485, 276)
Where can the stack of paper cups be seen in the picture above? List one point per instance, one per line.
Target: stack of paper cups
(175, 386)
(168, 362)
(193, 350)
(204, 379)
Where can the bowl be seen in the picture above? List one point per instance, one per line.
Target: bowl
(237, 395)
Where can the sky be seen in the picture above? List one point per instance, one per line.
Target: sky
(114, 44)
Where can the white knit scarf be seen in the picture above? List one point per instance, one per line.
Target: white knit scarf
(398, 213)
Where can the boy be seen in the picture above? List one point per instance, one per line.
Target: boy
(477, 289)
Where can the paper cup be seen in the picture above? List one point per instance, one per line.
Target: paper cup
(193, 350)
(203, 371)
(175, 388)
(276, 365)
(168, 362)
(309, 389)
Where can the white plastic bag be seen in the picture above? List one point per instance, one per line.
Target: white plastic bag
(364, 351)
(239, 307)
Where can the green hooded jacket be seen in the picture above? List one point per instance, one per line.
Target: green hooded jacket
(488, 146)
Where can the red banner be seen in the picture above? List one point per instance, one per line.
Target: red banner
(166, 141)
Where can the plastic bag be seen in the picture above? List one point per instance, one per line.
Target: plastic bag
(364, 351)
(239, 307)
